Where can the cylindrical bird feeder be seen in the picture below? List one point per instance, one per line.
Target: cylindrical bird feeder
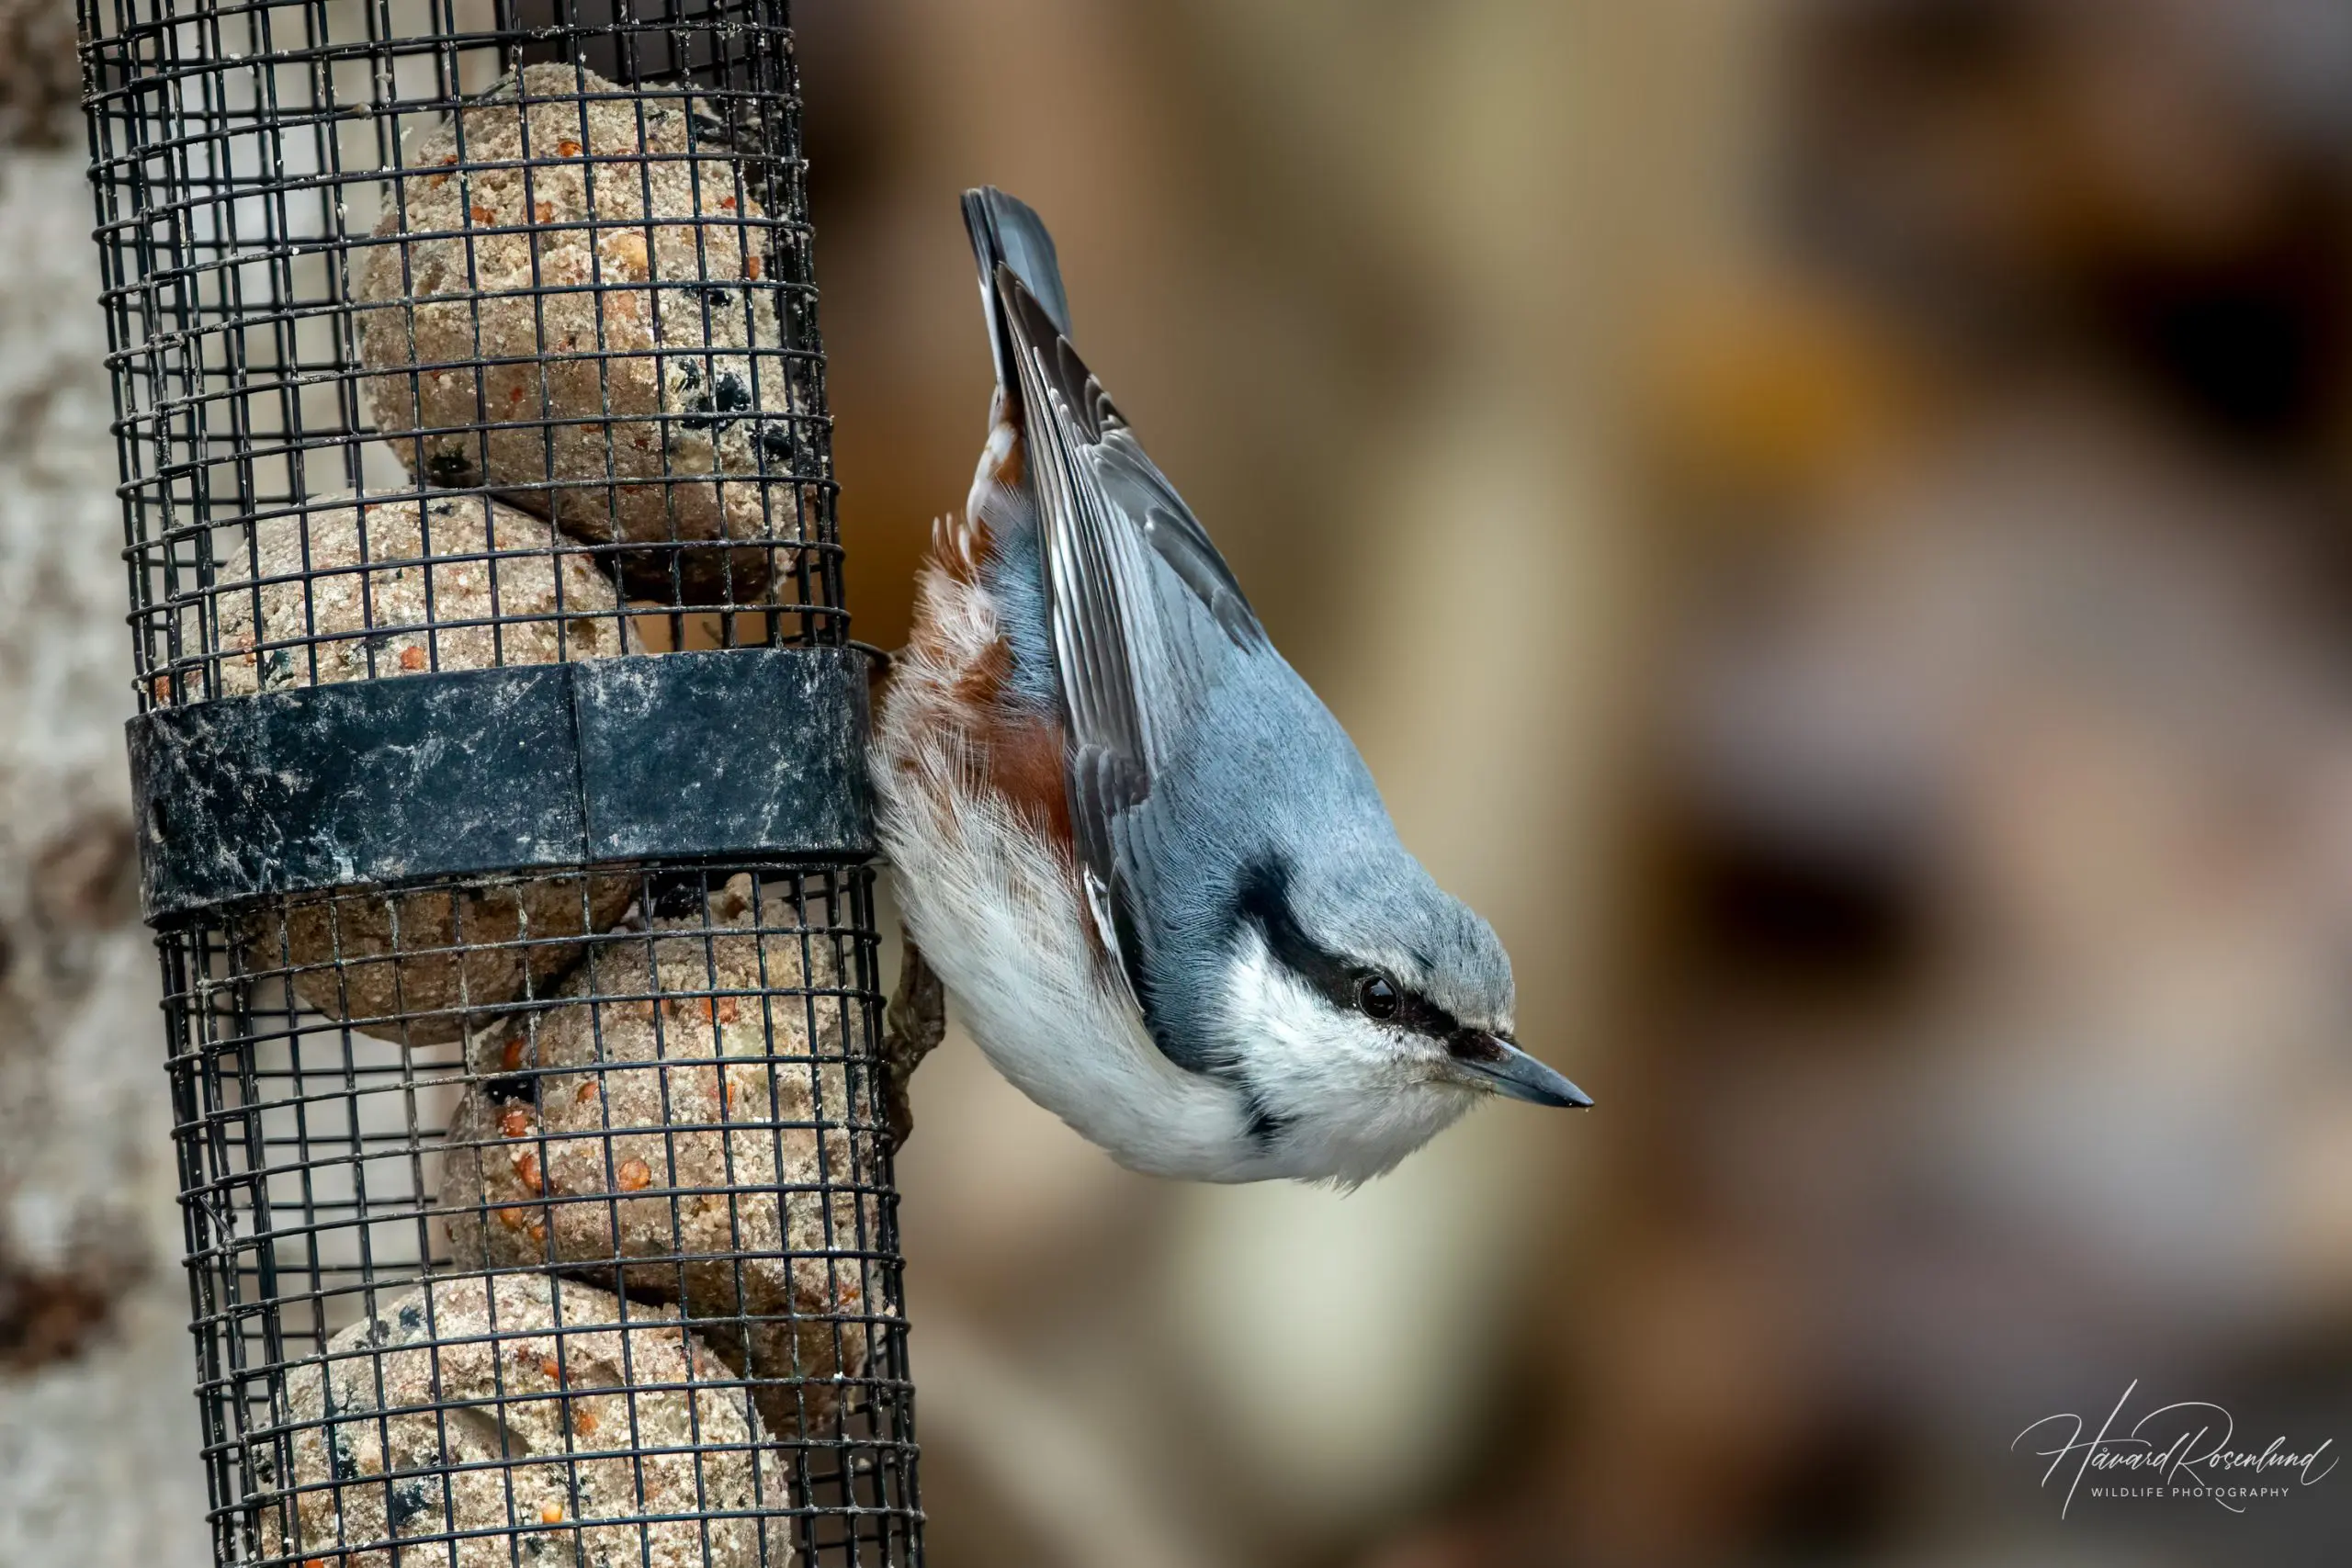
(499, 766)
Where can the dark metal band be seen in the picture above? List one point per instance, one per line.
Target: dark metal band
(743, 752)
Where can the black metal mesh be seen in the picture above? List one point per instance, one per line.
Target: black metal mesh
(542, 1217)
(590, 300)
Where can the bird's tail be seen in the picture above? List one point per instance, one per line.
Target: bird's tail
(1005, 232)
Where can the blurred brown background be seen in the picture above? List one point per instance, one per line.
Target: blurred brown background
(1827, 518)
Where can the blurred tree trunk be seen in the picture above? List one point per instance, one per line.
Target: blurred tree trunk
(97, 1432)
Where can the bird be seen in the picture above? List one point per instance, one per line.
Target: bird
(1153, 872)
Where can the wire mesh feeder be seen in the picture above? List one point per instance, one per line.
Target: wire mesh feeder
(499, 771)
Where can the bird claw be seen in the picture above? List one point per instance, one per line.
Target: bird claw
(917, 1020)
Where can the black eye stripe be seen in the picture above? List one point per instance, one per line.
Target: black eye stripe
(1474, 1045)
(1262, 899)
(1423, 1016)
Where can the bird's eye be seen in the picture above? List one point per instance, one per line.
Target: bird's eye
(1376, 995)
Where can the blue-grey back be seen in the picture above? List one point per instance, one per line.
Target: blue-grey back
(1198, 763)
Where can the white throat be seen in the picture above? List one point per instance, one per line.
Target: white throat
(1351, 1097)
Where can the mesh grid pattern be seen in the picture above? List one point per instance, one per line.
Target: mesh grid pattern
(686, 1126)
(542, 1217)
(591, 301)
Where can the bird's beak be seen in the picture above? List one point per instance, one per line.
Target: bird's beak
(1498, 1064)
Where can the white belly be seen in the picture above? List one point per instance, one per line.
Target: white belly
(995, 910)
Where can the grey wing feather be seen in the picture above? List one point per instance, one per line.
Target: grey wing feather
(1006, 232)
(1131, 670)
(1133, 486)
